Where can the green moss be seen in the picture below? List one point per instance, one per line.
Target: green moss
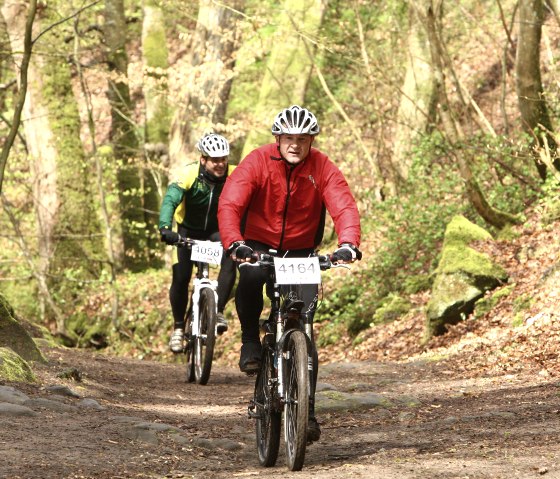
(14, 368)
(461, 230)
(518, 320)
(486, 304)
(458, 257)
(391, 308)
(14, 336)
(508, 233)
(463, 276)
(522, 303)
(417, 282)
(155, 51)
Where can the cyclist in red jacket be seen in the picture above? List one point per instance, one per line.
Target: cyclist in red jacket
(276, 199)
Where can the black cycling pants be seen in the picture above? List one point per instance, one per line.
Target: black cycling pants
(182, 272)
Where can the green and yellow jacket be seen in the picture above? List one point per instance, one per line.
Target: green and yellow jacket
(193, 200)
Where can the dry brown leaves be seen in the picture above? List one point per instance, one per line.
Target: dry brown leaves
(521, 332)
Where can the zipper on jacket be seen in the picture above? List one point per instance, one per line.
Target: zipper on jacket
(285, 207)
(209, 206)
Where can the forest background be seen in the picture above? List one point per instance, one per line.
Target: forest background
(431, 109)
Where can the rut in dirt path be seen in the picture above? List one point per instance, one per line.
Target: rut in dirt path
(140, 419)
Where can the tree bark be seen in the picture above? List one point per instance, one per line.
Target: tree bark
(123, 138)
(208, 80)
(67, 225)
(157, 126)
(418, 100)
(452, 128)
(531, 100)
(8, 10)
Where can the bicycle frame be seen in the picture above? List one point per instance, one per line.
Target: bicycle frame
(201, 281)
(282, 317)
(201, 329)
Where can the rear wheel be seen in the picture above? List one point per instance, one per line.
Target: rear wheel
(204, 342)
(268, 417)
(296, 408)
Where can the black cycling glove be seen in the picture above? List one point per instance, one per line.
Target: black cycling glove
(169, 236)
(346, 252)
(241, 250)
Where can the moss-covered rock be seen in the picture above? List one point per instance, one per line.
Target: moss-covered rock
(14, 367)
(392, 307)
(14, 336)
(462, 276)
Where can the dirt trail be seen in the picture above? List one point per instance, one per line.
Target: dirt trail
(151, 424)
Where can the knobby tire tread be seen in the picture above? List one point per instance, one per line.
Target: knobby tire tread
(268, 424)
(190, 351)
(204, 350)
(296, 410)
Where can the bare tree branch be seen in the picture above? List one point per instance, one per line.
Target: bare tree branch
(27, 47)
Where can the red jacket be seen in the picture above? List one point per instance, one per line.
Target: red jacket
(284, 206)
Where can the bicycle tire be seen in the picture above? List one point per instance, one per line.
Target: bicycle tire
(204, 342)
(269, 419)
(189, 350)
(296, 407)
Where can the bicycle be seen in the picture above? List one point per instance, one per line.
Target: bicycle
(282, 385)
(200, 329)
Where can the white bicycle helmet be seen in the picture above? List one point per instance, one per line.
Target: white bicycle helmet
(213, 145)
(295, 121)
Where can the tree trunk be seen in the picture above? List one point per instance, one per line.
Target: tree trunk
(452, 129)
(418, 100)
(157, 127)
(531, 101)
(288, 67)
(22, 78)
(67, 225)
(123, 138)
(207, 80)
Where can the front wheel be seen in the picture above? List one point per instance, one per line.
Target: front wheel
(204, 342)
(189, 348)
(268, 416)
(296, 408)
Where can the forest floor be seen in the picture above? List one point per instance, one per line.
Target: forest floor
(482, 401)
(431, 422)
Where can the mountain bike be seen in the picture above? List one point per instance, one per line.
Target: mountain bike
(282, 385)
(200, 328)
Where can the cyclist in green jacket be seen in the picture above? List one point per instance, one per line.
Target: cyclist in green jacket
(192, 201)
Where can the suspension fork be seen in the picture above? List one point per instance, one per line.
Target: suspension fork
(278, 347)
(307, 320)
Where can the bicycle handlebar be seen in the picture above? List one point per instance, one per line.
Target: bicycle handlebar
(267, 259)
(182, 241)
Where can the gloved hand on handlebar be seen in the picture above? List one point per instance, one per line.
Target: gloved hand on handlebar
(169, 236)
(239, 251)
(346, 252)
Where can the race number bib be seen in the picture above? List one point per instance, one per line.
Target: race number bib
(297, 270)
(207, 252)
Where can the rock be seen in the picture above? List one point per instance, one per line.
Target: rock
(462, 277)
(70, 373)
(49, 404)
(13, 367)
(12, 395)
(9, 409)
(62, 390)
(14, 336)
(338, 401)
(90, 404)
